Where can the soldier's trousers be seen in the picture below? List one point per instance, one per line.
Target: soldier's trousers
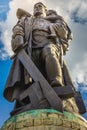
(47, 60)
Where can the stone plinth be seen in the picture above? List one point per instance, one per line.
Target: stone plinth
(45, 119)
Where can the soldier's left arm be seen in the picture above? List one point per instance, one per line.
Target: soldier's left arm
(64, 33)
(66, 42)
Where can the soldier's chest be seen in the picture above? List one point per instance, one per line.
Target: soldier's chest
(40, 23)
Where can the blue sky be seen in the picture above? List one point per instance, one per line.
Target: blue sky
(75, 13)
(5, 106)
(4, 8)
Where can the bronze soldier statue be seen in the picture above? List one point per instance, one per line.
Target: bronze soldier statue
(48, 39)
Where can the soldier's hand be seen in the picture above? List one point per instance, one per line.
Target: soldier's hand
(65, 48)
(17, 42)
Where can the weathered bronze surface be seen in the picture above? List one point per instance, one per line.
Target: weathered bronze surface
(54, 100)
(47, 38)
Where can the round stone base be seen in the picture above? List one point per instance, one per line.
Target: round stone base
(45, 119)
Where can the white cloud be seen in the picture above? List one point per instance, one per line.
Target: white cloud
(6, 37)
(3, 54)
(82, 11)
(77, 55)
(80, 71)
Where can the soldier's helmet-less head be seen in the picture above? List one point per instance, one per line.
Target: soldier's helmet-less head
(39, 9)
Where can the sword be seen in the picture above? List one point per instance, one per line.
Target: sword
(49, 93)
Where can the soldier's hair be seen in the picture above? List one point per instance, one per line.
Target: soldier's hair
(41, 4)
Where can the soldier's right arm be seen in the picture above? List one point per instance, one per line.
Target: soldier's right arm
(18, 34)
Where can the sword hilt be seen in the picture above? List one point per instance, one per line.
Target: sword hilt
(18, 50)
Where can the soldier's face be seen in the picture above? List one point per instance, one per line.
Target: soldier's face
(39, 9)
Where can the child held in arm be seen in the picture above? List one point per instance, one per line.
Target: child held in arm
(59, 30)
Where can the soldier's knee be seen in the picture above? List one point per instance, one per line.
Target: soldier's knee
(49, 51)
(46, 51)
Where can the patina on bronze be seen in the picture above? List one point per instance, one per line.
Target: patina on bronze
(48, 39)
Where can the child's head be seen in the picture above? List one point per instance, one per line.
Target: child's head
(51, 13)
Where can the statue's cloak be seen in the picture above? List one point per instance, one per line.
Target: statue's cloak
(18, 80)
(15, 81)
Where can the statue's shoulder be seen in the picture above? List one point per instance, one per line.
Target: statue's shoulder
(21, 13)
(23, 16)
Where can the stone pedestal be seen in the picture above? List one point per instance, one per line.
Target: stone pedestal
(45, 119)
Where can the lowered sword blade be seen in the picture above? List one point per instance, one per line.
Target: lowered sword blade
(49, 93)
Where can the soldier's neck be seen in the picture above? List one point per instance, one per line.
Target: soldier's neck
(40, 16)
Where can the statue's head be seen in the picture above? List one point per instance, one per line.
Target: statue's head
(39, 9)
(51, 12)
